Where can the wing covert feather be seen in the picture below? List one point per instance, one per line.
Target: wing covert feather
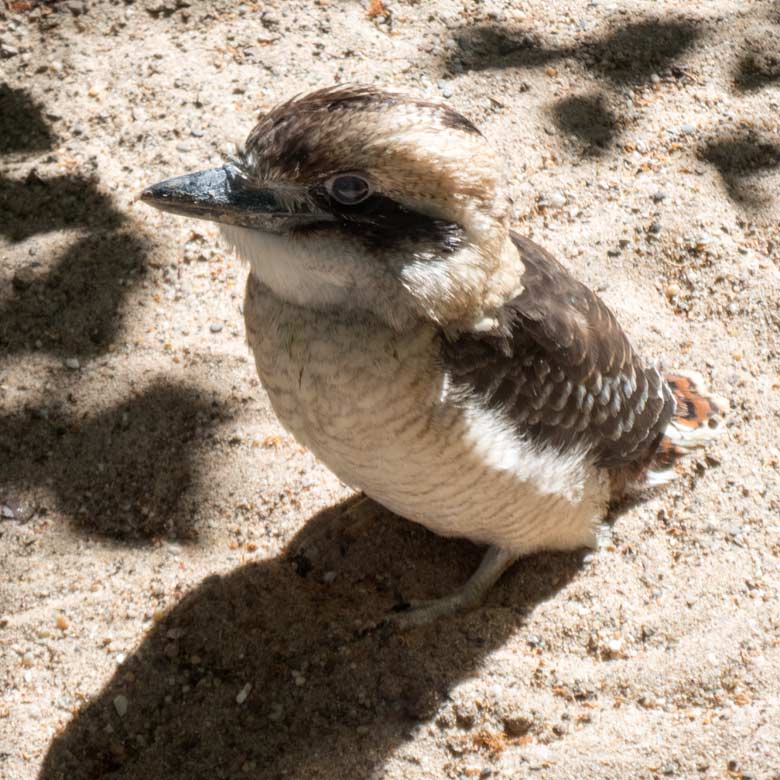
(562, 370)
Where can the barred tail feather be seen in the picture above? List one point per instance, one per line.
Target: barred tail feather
(699, 418)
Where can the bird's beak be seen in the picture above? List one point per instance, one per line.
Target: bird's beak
(225, 195)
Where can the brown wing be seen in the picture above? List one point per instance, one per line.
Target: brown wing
(562, 369)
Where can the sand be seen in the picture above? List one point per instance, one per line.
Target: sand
(157, 619)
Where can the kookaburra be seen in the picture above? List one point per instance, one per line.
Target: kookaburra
(451, 369)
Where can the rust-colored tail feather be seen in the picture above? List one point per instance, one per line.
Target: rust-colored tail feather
(699, 419)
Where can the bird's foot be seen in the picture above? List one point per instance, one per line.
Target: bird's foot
(471, 595)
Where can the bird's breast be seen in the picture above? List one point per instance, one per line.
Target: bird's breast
(377, 408)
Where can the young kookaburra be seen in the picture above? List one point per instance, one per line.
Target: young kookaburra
(451, 369)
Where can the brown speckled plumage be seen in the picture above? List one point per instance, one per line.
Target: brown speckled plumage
(288, 134)
(562, 369)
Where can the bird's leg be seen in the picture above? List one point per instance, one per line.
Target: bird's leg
(472, 594)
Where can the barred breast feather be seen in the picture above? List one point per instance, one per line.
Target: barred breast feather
(381, 411)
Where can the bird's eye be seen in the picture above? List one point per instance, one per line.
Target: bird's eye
(348, 189)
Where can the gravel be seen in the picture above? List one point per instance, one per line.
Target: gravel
(120, 705)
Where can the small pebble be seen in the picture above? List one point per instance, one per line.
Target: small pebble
(517, 724)
(120, 705)
(215, 327)
(72, 363)
(277, 713)
(62, 622)
(446, 88)
(615, 646)
(243, 694)
(8, 513)
(654, 229)
(687, 129)
(557, 200)
(659, 196)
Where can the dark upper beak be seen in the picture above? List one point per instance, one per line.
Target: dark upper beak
(225, 195)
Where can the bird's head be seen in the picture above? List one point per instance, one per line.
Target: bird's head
(354, 197)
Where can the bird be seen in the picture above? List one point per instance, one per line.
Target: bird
(429, 355)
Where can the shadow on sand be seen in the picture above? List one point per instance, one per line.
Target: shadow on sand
(740, 159)
(22, 125)
(628, 55)
(121, 474)
(326, 699)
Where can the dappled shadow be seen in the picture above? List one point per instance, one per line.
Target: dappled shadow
(325, 700)
(69, 305)
(35, 206)
(588, 120)
(754, 72)
(72, 306)
(22, 126)
(633, 52)
(629, 54)
(759, 65)
(122, 473)
(485, 47)
(740, 158)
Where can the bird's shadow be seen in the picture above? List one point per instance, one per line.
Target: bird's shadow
(123, 473)
(267, 672)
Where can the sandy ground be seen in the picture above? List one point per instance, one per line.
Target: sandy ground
(156, 619)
